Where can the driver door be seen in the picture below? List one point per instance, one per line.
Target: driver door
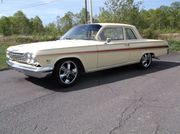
(113, 52)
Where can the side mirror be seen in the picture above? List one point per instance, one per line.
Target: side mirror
(58, 37)
(108, 40)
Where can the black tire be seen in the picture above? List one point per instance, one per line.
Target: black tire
(146, 61)
(67, 72)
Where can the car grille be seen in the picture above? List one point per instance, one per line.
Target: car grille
(19, 57)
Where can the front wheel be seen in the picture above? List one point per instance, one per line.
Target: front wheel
(67, 72)
(146, 60)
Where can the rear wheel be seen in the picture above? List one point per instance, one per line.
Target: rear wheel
(67, 72)
(146, 60)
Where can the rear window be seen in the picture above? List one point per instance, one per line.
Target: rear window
(130, 34)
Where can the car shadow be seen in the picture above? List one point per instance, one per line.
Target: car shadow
(104, 77)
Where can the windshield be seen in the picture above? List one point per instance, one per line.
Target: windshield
(82, 32)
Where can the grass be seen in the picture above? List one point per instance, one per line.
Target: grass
(3, 48)
(174, 45)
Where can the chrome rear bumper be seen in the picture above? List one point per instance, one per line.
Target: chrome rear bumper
(38, 72)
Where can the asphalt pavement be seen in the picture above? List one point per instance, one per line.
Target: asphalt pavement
(124, 100)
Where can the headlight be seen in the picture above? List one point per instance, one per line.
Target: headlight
(30, 59)
(7, 55)
(29, 55)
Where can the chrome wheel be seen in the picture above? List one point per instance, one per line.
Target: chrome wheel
(68, 72)
(146, 60)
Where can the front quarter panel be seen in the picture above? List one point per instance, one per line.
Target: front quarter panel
(87, 55)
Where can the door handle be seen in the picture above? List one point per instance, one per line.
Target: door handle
(127, 44)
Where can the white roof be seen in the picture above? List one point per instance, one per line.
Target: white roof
(114, 24)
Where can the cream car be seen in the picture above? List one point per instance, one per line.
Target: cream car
(85, 48)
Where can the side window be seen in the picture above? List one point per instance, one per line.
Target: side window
(113, 33)
(130, 34)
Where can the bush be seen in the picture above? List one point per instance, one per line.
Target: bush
(150, 33)
(24, 39)
(174, 45)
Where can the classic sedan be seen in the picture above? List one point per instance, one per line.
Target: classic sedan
(85, 48)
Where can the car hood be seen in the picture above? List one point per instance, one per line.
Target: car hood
(40, 46)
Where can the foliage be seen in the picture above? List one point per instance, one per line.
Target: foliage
(120, 11)
(5, 26)
(80, 17)
(51, 30)
(67, 21)
(174, 45)
(2, 56)
(37, 26)
(20, 24)
(151, 23)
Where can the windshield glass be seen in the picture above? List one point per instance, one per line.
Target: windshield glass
(82, 32)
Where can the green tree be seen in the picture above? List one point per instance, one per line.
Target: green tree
(21, 24)
(120, 11)
(175, 15)
(80, 17)
(37, 25)
(51, 29)
(5, 26)
(58, 24)
(67, 22)
(105, 16)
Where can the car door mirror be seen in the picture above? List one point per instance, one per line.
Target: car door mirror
(108, 40)
(58, 37)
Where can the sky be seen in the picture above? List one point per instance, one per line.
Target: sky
(48, 10)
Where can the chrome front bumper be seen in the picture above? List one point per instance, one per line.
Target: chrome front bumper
(38, 72)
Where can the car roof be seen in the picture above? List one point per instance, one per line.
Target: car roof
(114, 24)
(109, 24)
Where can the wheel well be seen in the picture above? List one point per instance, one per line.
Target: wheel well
(153, 55)
(78, 61)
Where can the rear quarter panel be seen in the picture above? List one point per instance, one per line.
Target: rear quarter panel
(140, 47)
